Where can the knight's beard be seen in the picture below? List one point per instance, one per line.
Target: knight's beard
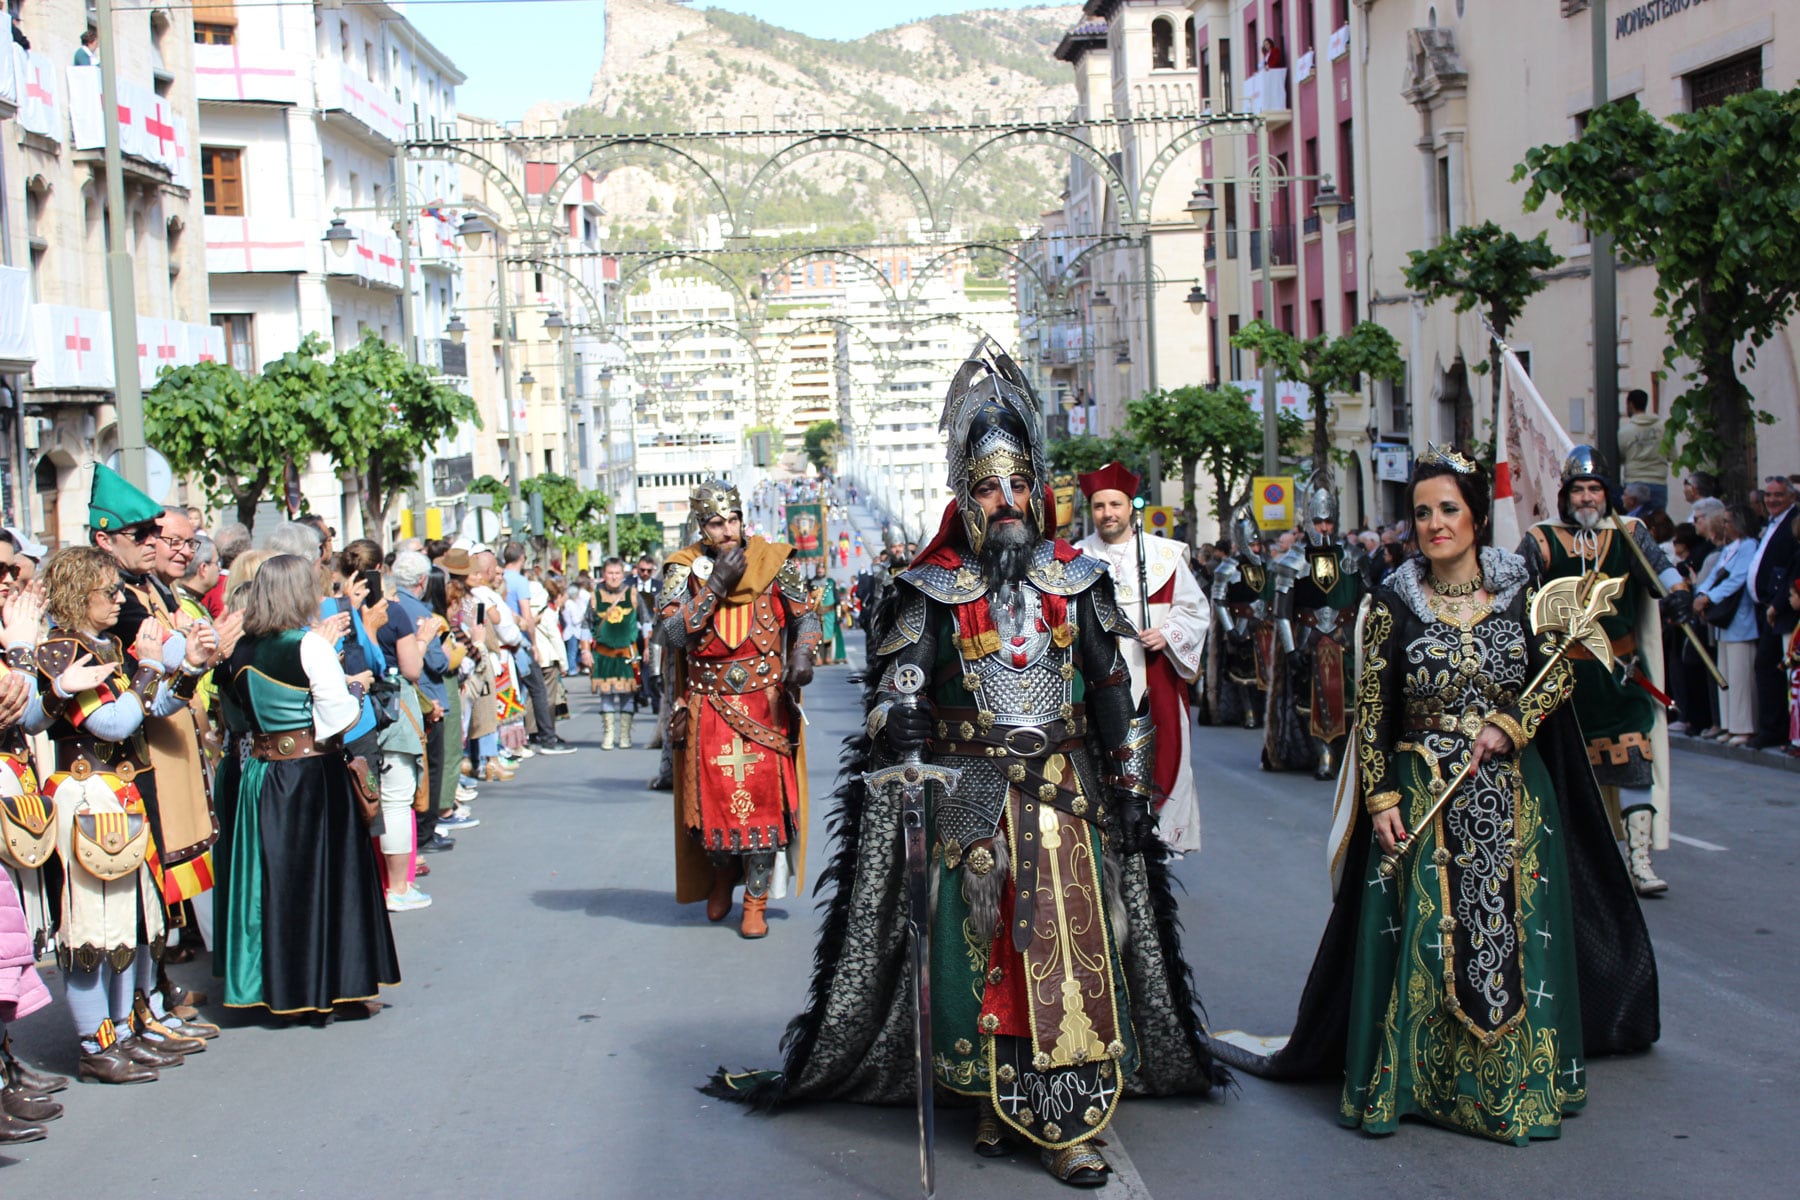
(1006, 551)
(1587, 518)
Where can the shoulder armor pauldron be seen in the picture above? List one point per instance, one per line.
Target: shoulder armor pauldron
(791, 584)
(910, 611)
(55, 655)
(1049, 574)
(674, 587)
(944, 584)
(1107, 611)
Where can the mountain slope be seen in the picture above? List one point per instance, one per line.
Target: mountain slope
(671, 67)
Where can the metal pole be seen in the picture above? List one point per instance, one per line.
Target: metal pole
(612, 486)
(515, 459)
(1606, 321)
(406, 321)
(1265, 208)
(1155, 464)
(128, 397)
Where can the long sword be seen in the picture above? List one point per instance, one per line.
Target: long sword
(908, 777)
(1660, 589)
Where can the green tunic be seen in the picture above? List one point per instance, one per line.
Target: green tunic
(827, 593)
(615, 641)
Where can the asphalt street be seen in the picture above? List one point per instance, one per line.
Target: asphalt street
(559, 1009)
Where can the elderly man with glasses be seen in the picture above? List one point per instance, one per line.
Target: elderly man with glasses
(1771, 572)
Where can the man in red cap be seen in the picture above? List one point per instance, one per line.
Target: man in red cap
(1159, 593)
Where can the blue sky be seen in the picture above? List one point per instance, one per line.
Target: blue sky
(517, 53)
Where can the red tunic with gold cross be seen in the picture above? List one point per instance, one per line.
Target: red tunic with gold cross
(738, 766)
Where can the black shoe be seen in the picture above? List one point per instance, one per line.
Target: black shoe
(662, 783)
(1764, 743)
(438, 844)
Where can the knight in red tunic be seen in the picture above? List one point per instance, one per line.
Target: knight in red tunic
(1156, 590)
(740, 634)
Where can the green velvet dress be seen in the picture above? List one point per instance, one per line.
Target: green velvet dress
(1465, 1008)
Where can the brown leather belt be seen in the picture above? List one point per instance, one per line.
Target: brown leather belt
(962, 731)
(734, 676)
(611, 652)
(1621, 646)
(291, 744)
(1468, 724)
(83, 757)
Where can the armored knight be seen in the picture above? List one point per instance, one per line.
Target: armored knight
(1319, 583)
(739, 633)
(1057, 986)
(1622, 711)
(1235, 683)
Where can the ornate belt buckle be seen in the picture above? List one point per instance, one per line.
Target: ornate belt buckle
(81, 768)
(737, 677)
(284, 745)
(1471, 723)
(1027, 741)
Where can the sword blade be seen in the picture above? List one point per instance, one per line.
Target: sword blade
(918, 919)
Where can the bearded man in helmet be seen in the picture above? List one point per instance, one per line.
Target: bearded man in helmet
(1623, 711)
(739, 632)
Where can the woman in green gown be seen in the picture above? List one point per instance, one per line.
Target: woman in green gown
(825, 599)
(1459, 991)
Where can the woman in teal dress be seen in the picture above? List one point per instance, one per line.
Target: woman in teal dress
(1459, 991)
(303, 928)
(825, 599)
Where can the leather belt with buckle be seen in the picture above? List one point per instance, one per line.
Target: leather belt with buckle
(81, 761)
(1468, 724)
(290, 744)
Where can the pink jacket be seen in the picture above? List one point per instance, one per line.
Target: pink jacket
(21, 991)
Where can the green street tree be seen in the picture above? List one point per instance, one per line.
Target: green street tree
(1323, 365)
(236, 435)
(1482, 266)
(821, 441)
(639, 537)
(1708, 200)
(573, 515)
(377, 416)
(1090, 452)
(1198, 427)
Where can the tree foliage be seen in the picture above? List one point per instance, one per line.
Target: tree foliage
(1198, 427)
(375, 416)
(821, 442)
(1090, 452)
(639, 537)
(1488, 267)
(573, 515)
(1323, 365)
(1708, 200)
(236, 435)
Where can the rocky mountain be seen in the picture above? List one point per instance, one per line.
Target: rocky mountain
(668, 67)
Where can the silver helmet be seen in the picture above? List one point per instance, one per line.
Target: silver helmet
(1321, 505)
(1584, 462)
(993, 423)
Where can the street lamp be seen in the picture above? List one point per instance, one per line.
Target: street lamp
(340, 237)
(456, 329)
(1201, 206)
(1196, 298)
(555, 321)
(1327, 202)
(527, 381)
(1123, 361)
(472, 230)
(1100, 299)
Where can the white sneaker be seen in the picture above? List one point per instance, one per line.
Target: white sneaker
(464, 794)
(412, 898)
(523, 752)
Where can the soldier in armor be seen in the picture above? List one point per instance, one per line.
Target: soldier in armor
(1319, 584)
(1056, 987)
(1623, 711)
(739, 633)
(1234, 686)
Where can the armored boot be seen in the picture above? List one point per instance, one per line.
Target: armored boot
(1637, 840)
(1326, 768)
(625, 731)
(991, 1137)
(609, 721)
(1080, 1166)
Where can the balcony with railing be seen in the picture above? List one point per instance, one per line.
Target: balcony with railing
(1266, 92)
(344, 90)
(1280, 242)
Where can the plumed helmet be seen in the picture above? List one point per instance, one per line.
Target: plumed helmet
(1584, 462)
(992, 421)
(711, 498)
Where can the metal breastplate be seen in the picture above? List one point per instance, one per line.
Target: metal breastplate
(1027, 681)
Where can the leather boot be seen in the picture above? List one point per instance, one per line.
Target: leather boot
(753, 925)
(113, 1065)
(992, 1139)
(13, 1131)
(158, 1036)
(37, 1083)
(32, 1109)
(144, 1054)
(1637, 840)
(625, 731)
(718, 901)
(609, 722)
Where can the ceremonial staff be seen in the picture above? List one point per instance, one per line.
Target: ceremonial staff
(1569, 611)
(1657, 586)
(1137, 511)
(908, 777)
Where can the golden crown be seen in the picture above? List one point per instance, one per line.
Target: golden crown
(1451, 457)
